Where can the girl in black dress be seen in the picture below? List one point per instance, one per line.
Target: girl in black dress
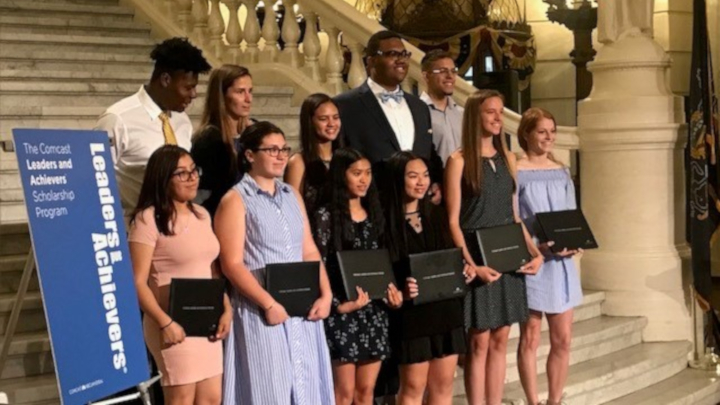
(214, 145)
(307, 170)
(357, 331)
(427, 338)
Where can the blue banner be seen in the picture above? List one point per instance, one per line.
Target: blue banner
(86, 279)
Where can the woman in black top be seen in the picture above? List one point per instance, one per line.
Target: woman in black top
(307, 170)
(356, 331)
(427, 338)
(225, 117)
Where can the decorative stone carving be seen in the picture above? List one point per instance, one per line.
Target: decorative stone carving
(620, 18)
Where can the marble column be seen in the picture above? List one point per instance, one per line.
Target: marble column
(631, 167)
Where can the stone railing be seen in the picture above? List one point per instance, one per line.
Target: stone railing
(314, 62)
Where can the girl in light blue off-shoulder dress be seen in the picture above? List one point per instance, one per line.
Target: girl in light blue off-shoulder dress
(545, 185)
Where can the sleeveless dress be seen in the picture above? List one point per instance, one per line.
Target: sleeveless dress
(556, 287)
(187, 254)
(503, 302)
(285, 364)
(361, 335)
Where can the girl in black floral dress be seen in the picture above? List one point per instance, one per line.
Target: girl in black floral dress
(357, 331)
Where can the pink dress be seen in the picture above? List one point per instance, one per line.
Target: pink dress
(187, 254)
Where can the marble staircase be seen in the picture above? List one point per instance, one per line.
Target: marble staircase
(63, 61)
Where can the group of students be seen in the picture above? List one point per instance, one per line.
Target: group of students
(217, 207)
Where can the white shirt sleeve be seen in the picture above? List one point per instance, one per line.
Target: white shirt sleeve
(115, 127)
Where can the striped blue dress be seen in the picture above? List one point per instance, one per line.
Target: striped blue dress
(286, 364)
(556, 287)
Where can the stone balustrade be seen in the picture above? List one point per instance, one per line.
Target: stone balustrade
(333, 28)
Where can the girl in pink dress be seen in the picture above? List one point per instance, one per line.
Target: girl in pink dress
(170, 237)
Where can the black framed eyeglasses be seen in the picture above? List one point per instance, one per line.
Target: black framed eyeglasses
(185, 175)
(275, 151)
(393, 54)
(445, 71)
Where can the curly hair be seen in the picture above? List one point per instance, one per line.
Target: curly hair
(178, 55)
(338, 200)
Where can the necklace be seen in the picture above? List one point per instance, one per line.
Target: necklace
(407, 214)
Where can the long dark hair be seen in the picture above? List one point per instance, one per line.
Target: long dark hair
(471, 131)
(156, 191)
(315, 170)
(338, 200)
(215, 112)
(251, 139)
(394, 203)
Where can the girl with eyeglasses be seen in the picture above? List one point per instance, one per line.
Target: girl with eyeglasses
(270, 358)
(170, 237)
(357, 331)
(544, 184)
(319, 128)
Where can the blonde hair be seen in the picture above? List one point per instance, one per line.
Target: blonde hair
(471, 131)
(529, 122)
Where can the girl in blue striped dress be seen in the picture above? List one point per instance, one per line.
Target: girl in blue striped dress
(270, 358)
(545, 185)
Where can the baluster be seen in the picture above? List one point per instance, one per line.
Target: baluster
(311, 45)
(234, 35)
(334, 61)
(357, 74)
(290, 35)
(183, 15)
(252, 31)
(200, 21)
(169, 6)
(216, 26)
(270, 33)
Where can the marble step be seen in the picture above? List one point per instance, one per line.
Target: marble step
(14, 239)
(96, 26)
(12, 212)
(29, 355)
(75, 43)
(31, 390)
(688, 387)
(65, 9)
(75, 58)
(591, 307)
(11, 268)
(83, 2)
(592, 338)
(32, 317)
(612, 376)
(135, 76)
(27, 365)
(51, 62)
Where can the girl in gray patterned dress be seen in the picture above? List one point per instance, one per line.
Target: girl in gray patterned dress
(357, 331)
(545, 185)
(480, 190)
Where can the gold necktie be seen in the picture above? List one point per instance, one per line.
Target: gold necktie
(167, 130)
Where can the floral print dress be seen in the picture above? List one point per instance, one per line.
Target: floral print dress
(361, 335)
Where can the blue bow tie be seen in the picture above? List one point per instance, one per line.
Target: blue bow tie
(395, 95)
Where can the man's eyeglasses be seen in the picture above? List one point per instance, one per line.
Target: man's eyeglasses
(185, 175)
(275, 151)
(395, 54)
(445, 71)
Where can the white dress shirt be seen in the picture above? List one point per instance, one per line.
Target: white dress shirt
(398, 115)
(135, 131)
